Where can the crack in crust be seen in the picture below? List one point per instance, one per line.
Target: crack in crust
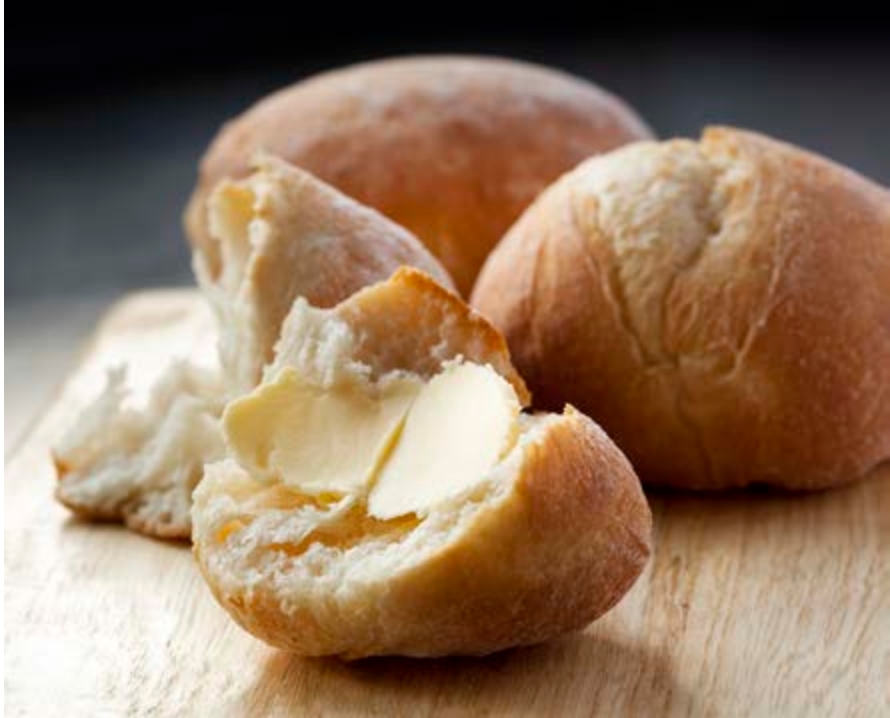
(590, 226)
(781, 259)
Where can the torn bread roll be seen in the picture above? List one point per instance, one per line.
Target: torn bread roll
(282, 234)
(720, 306)
(387, 496)
(279, 234)
(453, 148)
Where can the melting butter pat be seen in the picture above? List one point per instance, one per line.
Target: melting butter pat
(459, 426)
(318, 441)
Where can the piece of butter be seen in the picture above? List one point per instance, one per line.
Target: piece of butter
(318, 441)
(459, 426)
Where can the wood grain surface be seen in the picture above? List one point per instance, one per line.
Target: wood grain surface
(753, 604)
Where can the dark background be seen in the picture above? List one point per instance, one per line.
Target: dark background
(109, 109)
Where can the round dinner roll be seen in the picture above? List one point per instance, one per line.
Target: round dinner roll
(452, 148)
(385, 494)
(721, 307)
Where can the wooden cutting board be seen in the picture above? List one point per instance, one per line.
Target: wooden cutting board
(753, 604)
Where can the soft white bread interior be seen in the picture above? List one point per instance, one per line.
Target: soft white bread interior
(139, 465)
(721, 306)
(281, 234)
(398, 502)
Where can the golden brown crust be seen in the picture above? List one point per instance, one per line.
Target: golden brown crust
(412, 322)
(771, 341)
(139, 514)
(161, 512)
(452, 148)
(560, 549)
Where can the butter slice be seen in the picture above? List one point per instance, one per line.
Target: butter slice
(459, 426)
(317, 440)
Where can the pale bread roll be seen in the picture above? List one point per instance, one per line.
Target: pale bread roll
(544, 542)
(722, 307)
(453, 148)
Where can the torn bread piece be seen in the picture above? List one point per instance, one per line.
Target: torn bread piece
(282, 234)
(399, 502)
(140, 465)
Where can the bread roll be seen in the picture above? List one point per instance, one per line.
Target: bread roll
(722, 307)
(276, 235)
(453, 148)
(281, 234)
(473, 529)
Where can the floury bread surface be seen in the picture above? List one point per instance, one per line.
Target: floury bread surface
(536, 528)
(452, 148)
(722, 307)
(276, 235)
